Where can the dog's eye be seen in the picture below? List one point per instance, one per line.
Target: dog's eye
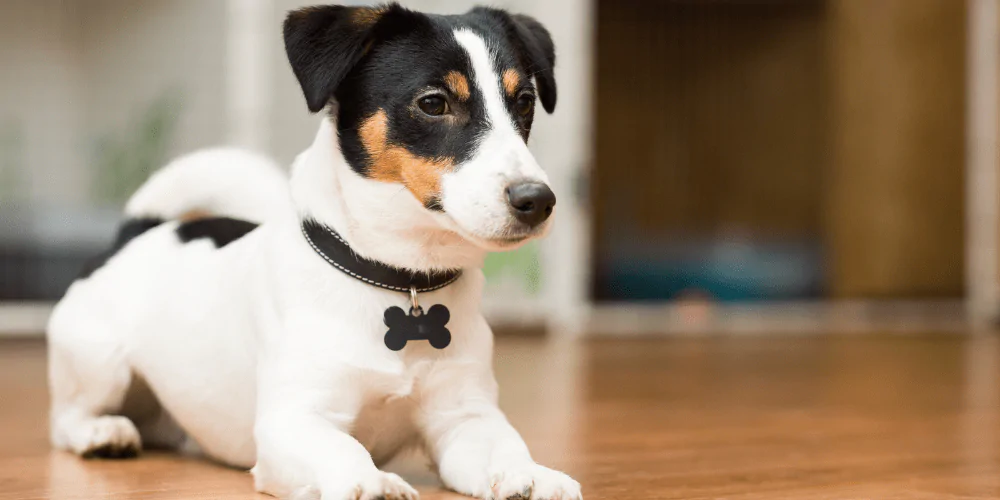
(525, 104)
(433, 105)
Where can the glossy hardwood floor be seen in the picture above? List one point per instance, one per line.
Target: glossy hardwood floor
(736, 418)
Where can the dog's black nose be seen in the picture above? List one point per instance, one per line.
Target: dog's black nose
(531, 202)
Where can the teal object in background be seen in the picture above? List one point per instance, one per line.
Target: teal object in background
(726, 271)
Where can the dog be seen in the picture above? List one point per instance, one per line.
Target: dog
(242, 314)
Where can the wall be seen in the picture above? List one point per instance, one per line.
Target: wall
(138, 53)
(40, 112)
(77, 74)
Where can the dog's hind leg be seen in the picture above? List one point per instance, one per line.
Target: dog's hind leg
(89, 378)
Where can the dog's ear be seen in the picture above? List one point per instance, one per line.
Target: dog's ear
(537, 52)
(541, 56)
(324, 43)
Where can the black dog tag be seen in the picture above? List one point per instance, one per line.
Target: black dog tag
(417, 325)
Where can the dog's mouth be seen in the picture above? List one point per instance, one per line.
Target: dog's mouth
(500, 241)
(508, 240)
(508, 235)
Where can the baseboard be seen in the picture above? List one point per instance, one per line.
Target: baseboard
(24, 319)
(28, 319)
(816, 317)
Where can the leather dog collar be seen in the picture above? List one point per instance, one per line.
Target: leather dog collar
(333, 249)
(403, 327)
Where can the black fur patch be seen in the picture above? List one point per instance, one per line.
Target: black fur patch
(221, 230)
(396, 56)
(128, 231)
(522, 43)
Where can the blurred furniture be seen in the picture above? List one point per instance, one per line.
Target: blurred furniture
(43, 249)
(895, 202)
(823, 138)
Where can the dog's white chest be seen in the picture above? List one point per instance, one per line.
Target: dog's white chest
(387, 422)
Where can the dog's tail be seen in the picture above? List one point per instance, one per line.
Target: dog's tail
(223, 182)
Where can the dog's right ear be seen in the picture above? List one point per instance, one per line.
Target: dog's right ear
(324, 43)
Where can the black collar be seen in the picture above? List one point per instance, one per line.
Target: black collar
(329, 245)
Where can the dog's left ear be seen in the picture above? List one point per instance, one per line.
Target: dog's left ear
(324, 43)
(537, 51)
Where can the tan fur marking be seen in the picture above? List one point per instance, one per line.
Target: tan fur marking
(511, 79)
(421, 176)
(458, 84)
(373, 132)
(367, 16)
(195, 214)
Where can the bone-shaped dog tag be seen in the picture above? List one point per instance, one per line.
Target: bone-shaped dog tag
(417, 325)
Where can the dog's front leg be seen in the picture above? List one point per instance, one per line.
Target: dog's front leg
(304, 449)
(479, 453)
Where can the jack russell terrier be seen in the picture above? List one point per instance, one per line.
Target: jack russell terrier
(279, 323)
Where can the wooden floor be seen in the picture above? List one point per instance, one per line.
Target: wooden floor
(837, 417)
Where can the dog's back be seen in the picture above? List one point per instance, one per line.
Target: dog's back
(166, 280)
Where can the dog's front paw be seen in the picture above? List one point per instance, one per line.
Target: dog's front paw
(378, 485)
(533, 482)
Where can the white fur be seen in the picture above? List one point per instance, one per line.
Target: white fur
(474, 195)
(263, 355)
(222, 181)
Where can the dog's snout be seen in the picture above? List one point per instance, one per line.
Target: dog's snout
(531, 202)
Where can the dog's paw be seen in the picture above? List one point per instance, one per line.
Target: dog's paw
(377, 486)
(533, 482)
(107, 437)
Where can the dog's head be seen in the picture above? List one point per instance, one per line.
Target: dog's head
(442, 105)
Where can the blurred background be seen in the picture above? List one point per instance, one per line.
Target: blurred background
(721, 165)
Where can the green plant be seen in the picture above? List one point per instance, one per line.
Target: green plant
(125, 162)
(522, 265)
